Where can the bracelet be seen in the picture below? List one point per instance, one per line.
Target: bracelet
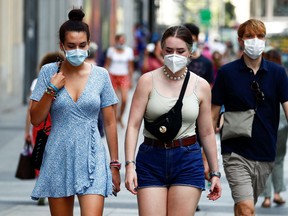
(114, 161)
(54, 87)
(129, 161)
(50, 91)
(115, 164)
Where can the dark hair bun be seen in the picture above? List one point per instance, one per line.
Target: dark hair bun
(76, 15)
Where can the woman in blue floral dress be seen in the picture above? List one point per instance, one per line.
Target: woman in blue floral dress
(75, 160)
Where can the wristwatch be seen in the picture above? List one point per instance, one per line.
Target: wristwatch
(214, 173)
(129, 161)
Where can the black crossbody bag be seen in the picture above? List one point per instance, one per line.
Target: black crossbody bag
(166, 126)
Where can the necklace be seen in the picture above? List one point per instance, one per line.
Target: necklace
(174, 77)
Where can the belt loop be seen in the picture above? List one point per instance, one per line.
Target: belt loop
(181, 142)
(166, 146)
(173, 143)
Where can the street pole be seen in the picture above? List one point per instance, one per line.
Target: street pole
(31, 45)
(151, 16)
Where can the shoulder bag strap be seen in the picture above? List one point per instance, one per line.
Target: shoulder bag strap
(183, 89)
(59, 64)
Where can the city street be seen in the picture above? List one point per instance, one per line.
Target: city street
(15, 194)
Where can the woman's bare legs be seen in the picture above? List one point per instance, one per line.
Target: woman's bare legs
(91, 205)
(152, 201)
(177, 200)
(124, 96)
(61, 206)
(183, 200)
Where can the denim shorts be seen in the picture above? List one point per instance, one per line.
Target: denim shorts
(160, 167)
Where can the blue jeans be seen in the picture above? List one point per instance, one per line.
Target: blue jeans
(160, 167)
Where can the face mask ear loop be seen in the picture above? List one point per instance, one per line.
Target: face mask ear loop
(63, 48)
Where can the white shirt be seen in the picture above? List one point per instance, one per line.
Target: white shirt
(33, 85)
(120, 61)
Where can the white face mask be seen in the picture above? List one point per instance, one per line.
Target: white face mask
(254, 47)
(175, 62)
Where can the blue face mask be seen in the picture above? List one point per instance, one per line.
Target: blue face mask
(194, 47)
(76, 57)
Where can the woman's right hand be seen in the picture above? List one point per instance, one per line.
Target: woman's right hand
(131, 179)
(58, 80)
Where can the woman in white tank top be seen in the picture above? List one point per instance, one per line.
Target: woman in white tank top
(169, 177)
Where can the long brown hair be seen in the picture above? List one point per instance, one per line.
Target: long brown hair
(180, 32)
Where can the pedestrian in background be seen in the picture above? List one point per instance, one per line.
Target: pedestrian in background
(229, 55)
(119, 62)
(141, 35)
(92, 53)
(152, 57)
(217, 62)
(75, 160)
(169, 176)
(250, 83)
(199, 64)
(276, 179)
(31, 137)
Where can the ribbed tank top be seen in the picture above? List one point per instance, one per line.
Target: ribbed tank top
(159, 104)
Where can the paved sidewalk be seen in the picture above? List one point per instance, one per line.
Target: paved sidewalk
(15, 194)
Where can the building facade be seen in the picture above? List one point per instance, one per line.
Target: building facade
(274, 13)
(11, 49)
(29, 29)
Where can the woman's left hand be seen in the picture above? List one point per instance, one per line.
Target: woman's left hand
(215, 189)
(116, 179)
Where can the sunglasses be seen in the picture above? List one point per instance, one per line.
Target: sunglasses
(259, 94)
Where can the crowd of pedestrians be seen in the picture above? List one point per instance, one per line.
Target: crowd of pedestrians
(172, 163)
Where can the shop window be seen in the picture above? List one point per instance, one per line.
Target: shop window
(280, 8)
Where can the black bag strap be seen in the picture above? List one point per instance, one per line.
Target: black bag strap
(183, 89)
(59, 64)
